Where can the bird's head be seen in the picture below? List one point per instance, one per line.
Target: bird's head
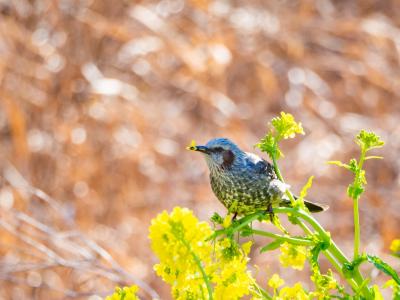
(220, 154)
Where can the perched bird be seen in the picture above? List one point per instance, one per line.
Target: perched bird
(243, 181)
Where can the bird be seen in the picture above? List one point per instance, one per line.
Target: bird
(244, 182)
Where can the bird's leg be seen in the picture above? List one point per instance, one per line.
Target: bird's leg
(234, 216)
(270, 212)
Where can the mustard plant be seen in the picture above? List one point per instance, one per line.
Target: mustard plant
(204, 262)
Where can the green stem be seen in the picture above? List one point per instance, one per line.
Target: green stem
(305, 228)
(236, 227)
(262, 292)
(305, 216)
(280, 177)
(295, 241)
(333, 260)
(198, 263)
(333, 249)
(333, 252)
(356, 229)
(356, 210)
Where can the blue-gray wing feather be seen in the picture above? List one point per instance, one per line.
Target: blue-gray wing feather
(260, 166)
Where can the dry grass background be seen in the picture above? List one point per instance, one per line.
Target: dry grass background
(99, 99)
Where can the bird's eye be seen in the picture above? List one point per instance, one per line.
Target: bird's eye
(218, 149)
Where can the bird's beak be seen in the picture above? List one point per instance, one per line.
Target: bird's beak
(202, 149)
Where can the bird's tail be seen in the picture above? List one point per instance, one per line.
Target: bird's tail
(315, 207)
(312, 206)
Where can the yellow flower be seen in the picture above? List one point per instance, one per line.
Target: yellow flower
(324, 284)
(377, 293)
(191, 146)
(125, 293)
(174, 239)
(293, 256)
(395, 245)
(227, 221)
(394, 286)
(225, 243)
(275, 281)
(232, 279)
(180, 242)
(247, 247)
(293, 293)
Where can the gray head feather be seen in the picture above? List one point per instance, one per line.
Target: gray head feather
(224, 153)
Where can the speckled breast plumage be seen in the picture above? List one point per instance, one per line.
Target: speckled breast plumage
(245, 190)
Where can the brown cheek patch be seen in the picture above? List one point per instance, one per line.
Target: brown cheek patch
(228, 158)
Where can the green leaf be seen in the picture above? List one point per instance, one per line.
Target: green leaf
(353, 165)
(348, 268)
(338, 163)
(305, 188)
(246, 231)
(269, 145)
(272, 246)
(358, 261)
(286, 127)
(384, 267)
(216, 218)
(361, 177)
(369, 140)
(355, 190)
(373, 157)
(315, 251)
(293, 219)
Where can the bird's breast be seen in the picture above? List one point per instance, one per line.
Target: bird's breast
(245, 190)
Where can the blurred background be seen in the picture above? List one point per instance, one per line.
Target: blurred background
(100, 98)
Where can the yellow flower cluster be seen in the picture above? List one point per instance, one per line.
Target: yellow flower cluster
(227, 221)
(231, 277)
(175, 238)
(293, 256)
(192, 265)
(125, 293)
(325, 283)
(295, 292)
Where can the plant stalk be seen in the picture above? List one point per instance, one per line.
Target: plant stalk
(356, 210)
(295, 241)
(198, 263)
(332, 249)
(356, 229)
(333, 252)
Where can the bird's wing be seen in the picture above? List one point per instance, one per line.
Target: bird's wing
(259, 165)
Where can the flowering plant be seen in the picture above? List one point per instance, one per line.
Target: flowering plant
(204, 263)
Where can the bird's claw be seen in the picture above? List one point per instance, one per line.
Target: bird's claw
(234, 216)
(271, 214)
